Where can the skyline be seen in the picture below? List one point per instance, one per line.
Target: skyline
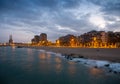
(25, 18)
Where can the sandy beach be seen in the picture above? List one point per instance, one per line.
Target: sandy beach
(109, 54)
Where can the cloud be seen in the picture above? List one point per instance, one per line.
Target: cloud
(57, 17)
(111, 7)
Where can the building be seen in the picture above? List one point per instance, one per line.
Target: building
(117, 35)
(36, 39)
(94, 39)
(43, 39)
(10, 39)
(68, 40)
(58, 42)
(40, 40)
(91, 39)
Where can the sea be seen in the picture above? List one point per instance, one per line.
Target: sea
(34, 66)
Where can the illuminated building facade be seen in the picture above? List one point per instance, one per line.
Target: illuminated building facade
(68, 40)
(40, 40)
(99, 39)
(92, 39)
(43, 39)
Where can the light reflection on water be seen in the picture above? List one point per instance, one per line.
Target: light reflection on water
(36, 67)
(58, 67)
(29, 51)
(95, 71)
(44, 62)
(42, 56)
(57, 60)
(72, 68)
(48, 55)
(27, 63)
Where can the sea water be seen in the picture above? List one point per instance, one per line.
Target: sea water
(32, 66)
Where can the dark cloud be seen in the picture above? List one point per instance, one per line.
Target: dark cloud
(12, 5)
(46, 3)
(55, 17)
(108, 6)
(114, 26)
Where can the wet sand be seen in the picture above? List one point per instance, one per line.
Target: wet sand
(110, 54)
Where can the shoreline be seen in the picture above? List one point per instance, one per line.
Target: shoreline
(108, 54)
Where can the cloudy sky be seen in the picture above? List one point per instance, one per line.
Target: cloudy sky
(26, 18)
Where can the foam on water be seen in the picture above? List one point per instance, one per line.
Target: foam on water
(99, 64)
(115, 67)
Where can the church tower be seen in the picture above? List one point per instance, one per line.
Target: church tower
(10, 40)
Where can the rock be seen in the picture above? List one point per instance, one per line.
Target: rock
(95, 67)
(70, 58)
(115, 72)
(73, 57)
(81, 56)
(67, 57)
(110, 70)
(107, 65)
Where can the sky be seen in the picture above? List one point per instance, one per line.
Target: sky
(25, 18)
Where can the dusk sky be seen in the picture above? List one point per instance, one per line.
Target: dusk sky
(26, 18)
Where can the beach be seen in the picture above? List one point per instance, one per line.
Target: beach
(109, 54)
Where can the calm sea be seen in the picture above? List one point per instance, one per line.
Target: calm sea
(31, 66)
